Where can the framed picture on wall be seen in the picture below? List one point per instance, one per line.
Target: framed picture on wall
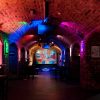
(95, 51)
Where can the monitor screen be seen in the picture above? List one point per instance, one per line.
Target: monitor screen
(46, 56)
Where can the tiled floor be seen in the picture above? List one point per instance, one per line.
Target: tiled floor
(43, 87)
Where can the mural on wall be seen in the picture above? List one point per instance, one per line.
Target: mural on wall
(46, 56)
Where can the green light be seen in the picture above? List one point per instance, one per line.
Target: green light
(6, 47)
(23, 23)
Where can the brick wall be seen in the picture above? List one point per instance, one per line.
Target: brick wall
(90, 66)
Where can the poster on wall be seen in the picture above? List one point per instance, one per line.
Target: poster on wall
(95, 51)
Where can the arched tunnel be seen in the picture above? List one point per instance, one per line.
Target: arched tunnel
(46, 38)
(54, 42)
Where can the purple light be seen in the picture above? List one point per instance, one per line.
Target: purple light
(70, 50)
(82, 46)
(72, 27)
(69, 24)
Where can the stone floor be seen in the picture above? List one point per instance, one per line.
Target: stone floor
(44, 87)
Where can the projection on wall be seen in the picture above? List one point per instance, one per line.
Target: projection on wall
(46, 56)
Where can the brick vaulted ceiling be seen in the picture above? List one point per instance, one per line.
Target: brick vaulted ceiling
(13, 12)
(83, 12)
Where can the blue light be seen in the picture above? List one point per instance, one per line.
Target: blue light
(15, 36)
(46, 20)
(42, 29)
(45, 69)
(46, 46)
(36, 22)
